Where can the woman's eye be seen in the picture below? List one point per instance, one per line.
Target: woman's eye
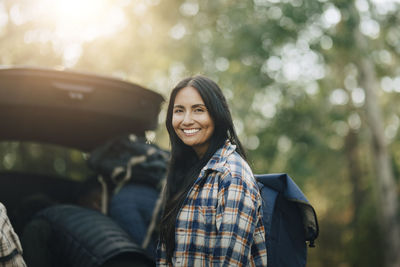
(178, 111)
(199, 110)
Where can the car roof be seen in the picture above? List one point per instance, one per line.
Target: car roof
(72, 109)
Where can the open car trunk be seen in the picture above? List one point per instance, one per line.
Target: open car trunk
(72, 109)
(62, 115)
(68, 109)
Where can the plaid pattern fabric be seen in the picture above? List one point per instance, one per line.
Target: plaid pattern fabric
(10, 247)
(220, 222)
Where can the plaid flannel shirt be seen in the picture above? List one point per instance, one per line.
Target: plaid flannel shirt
(220, 222)
(10, 247)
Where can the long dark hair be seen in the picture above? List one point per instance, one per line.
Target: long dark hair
(184, 165)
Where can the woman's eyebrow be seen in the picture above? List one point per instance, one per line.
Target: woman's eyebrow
(198, 105)
(178, 106)
(193, 106)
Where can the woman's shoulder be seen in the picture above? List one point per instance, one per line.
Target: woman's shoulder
(237, 163)
(231, 167)
(238, 169)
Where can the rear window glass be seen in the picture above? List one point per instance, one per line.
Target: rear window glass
(50, 160)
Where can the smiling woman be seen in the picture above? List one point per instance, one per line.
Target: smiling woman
(212, 204)
(191, 121)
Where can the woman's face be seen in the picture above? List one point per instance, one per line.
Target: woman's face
(191, 120)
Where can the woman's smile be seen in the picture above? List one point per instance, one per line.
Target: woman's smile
(191, 121)
(190, 132)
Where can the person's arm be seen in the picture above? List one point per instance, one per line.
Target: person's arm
(240, 234)
(10, 246)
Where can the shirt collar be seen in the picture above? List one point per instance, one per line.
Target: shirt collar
(220, 157)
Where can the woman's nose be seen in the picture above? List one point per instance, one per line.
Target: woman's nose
(187, 119)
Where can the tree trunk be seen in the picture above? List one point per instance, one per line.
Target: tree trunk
(388, 200)
(355, 173)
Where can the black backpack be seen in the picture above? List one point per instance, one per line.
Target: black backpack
(289, 220)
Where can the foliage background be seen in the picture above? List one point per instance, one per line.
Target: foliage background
(290, 70)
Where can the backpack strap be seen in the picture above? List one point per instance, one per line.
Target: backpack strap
(268, 197)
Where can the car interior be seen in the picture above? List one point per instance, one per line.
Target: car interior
(52, 119)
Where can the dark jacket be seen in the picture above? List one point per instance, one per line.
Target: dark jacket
(84, 237)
